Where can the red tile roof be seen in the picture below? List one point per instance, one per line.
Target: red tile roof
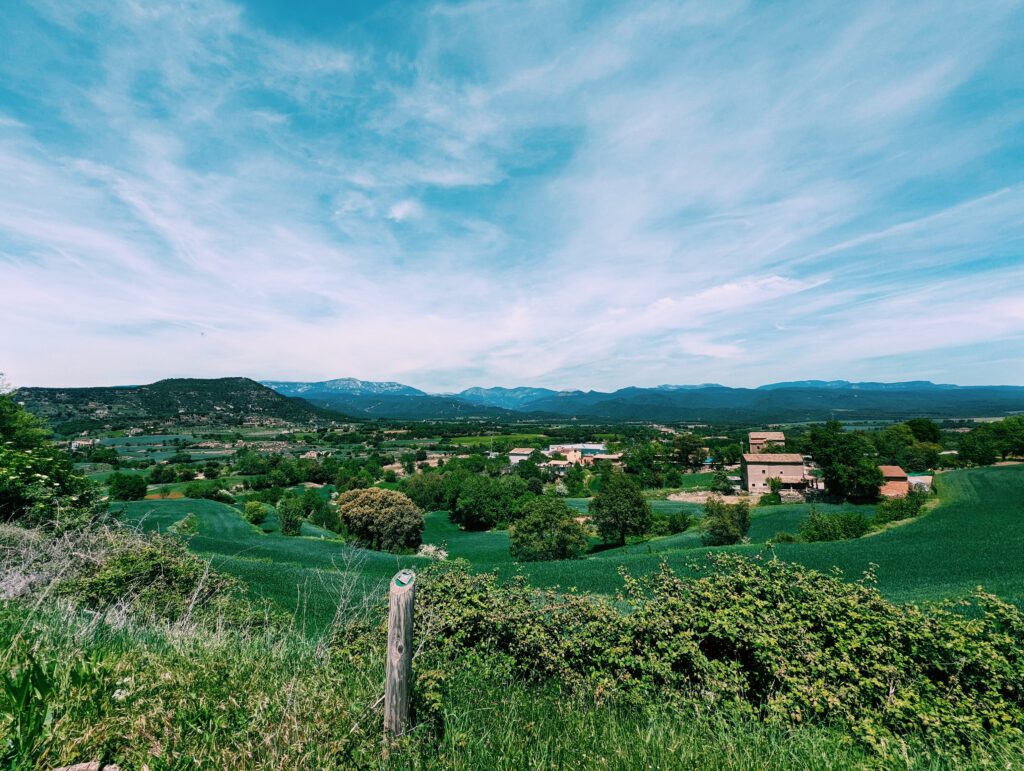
(893, 472)
(787, 458)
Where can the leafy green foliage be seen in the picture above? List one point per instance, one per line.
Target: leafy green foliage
(669, 524)
(38, 482)
(619, 509)
(484, 502)
(846, 462)
(155, 576)
(126, 487)
(290, 514)
(896, 509)
(720, 483)
(782, 641)
(385, 520)
(548, 530)
(839, 526)
(725, 523)
(255, 512)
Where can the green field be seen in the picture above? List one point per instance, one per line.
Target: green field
(486, 441)
(974, 537)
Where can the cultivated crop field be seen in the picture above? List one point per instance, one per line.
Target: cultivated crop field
(487, 440)
(973, 537)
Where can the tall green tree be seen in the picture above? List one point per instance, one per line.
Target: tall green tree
(846, 461)
(548, 530)
(725, 523)
(620, 510)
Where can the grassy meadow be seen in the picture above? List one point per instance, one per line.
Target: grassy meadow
(972, 537)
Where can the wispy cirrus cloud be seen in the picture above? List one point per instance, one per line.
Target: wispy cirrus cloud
(554, 193)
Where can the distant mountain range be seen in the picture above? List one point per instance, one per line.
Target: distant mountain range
(789, 401)
(234, 401)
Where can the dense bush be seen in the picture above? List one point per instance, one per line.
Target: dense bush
(720, 483)
(385, 520)
(318, 511)
(484, 502)
(153, 576)
(290, 514)
(212, 489)
(895, 509)
(126, 487)
(781, 641)
(548, 530)
(425, 490)
(837, 526)
(162, 473)
(669, 524)
(38, 482)
(725, 523)
(619, 509)
(255, 512)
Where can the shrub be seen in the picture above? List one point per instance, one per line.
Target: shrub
(725, 523)
(721, 483)
(669, 524)
(772, 638)
(255, 512)
(155, 576)
(162, 473)
(38, 482)
(783, 537)
(548, 530)
(212, 490)
(318, 511)
(619, 509)
(126, 487)
(840, 526)
(289, 514)
(895, 509)
(385, 520)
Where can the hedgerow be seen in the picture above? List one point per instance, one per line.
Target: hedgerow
(784, 643)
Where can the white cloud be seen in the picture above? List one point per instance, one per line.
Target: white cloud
(660, 192)
(404, 210)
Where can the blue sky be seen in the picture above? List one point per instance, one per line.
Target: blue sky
(550, 193)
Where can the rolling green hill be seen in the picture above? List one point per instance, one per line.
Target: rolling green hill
(193, 401)
(972, 538)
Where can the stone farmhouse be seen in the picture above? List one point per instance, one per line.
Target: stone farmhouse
(757, 468)
(758, 439)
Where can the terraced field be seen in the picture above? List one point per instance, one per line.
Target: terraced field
(974, 537)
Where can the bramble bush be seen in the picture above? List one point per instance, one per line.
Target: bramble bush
(154, 577)
(776, 640)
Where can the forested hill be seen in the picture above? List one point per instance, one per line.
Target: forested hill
(219, 401)
(810, 400)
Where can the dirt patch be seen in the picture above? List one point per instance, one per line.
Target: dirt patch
(701, 496)
(170, 496)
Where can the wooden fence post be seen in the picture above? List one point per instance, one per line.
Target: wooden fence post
(398, 681)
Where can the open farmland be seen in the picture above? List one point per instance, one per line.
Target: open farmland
(973, 537)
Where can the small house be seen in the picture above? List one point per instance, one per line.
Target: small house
(896, 484)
